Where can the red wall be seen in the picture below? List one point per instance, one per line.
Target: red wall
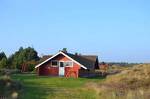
(48, 70)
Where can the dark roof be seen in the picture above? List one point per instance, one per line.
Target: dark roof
(45, 57)
(86, 60)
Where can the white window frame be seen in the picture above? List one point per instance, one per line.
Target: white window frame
(55, 65)
(69, 61)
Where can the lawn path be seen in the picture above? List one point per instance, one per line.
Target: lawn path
(36, 87)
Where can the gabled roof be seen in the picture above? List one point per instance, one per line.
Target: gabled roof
(85, 61)
(64, 55)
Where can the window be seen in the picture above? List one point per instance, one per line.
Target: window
(68, 64)
(54, 63)
(61, 64)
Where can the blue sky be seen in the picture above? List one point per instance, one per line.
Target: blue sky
(116, 30)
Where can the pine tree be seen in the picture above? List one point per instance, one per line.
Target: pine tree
(3, 63)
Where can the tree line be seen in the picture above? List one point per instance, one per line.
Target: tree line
(23, 57)
(122, 64)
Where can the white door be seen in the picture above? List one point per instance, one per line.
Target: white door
(61, 69)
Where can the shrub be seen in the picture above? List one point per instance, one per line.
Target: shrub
(9, 88)
(9, 71)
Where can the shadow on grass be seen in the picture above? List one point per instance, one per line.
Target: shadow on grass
(96, 77)
(26, 76)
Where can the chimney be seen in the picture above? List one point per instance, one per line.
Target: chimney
(64, 50)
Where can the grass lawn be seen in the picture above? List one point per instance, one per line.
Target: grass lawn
(36, 87)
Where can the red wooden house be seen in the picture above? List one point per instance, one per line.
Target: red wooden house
(68, 65)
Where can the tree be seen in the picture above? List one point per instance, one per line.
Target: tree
(3, 60)
(2, 55)
(3, 63)
(10, 62)
(23, 56)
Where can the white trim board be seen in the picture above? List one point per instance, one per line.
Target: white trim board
(58, 54)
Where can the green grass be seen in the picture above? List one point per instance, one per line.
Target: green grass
(37, 87)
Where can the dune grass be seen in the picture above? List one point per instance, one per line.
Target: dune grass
(36, 87)
(133, 83)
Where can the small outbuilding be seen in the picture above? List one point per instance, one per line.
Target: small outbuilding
(68, 65)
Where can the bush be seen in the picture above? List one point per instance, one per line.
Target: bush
(9, 71)
(9, 88)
